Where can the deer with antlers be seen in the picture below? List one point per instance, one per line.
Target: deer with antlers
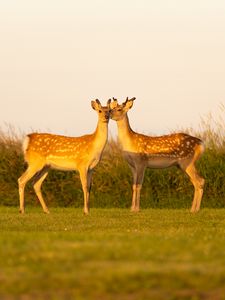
(43, 151)
(143, 151)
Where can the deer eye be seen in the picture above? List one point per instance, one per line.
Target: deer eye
(100, 111)
(119, 109)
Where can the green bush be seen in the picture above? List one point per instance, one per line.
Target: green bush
(112, 179)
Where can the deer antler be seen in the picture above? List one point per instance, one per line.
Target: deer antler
(132, 99)
(127, 99)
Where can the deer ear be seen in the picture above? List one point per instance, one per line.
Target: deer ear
(108, 103)
(129, 103)
(95, 104)
(98, 102)
(114, 103)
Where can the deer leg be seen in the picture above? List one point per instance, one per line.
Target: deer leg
(134, 189)
(198, 183)
(22, 181)
(89, 181)
(85, 186)
(37, 187)
(140, 177)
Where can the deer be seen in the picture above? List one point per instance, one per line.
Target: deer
(142, 151)
(44, 151)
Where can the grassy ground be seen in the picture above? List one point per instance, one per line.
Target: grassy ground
(112, 254)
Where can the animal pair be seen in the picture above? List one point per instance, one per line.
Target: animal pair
(43, 151)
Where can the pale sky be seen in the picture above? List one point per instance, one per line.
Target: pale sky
(58, 55)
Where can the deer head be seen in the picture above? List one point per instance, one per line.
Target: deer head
(103, 111)
(119, 110)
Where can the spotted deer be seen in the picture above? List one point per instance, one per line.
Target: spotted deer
(43, 151)
(143, 151)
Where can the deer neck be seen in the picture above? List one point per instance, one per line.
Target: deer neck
(101, 135)
(125, 133)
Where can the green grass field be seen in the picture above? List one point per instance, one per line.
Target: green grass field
(112, 254)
